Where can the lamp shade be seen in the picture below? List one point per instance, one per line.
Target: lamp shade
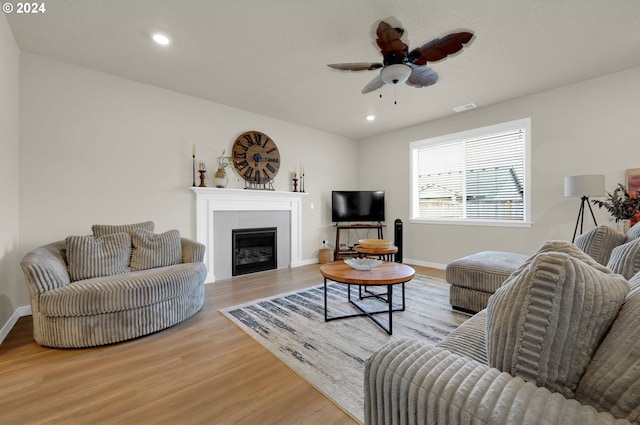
(395, 74)
(585, 185)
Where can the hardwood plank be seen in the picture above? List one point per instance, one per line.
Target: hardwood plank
(202, 371)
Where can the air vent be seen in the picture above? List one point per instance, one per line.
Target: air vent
(465, 107)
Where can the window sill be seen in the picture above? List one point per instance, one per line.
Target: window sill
(484, 223)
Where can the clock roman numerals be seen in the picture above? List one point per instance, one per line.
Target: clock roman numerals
(249, 140)
(239, 143)
(248, 174)
(237, 154)
(270, 167)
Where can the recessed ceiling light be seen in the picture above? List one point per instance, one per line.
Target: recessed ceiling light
(371, 117)
(161, 39)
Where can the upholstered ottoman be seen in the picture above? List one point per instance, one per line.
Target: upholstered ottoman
(476, 277)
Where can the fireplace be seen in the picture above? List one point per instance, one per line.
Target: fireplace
(254, 250)
(219, 211)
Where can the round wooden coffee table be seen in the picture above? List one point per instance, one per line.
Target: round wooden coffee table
(386, 274)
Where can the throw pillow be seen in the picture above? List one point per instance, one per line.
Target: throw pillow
(559, 246)
(612, 380)
(90, 256)
(600, 241)
(151, 250)
(105, 229)
(546, 322)
(634, 232)
(625, 259)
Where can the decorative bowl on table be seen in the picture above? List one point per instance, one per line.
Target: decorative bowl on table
(375, 243)
(362, 263)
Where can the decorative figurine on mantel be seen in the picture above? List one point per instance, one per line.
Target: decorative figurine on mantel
(202, 169)
(220, 178)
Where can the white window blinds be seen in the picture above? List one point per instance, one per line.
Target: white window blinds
(473, 176)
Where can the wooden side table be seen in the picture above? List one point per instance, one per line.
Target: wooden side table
(386, 254)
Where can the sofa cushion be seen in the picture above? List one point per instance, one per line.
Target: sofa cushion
(625, 259)
(155, 250)
(546, 321)
(600, 241)
(469, 338)
(122, 292)
(611, 382)
(90, 256)
(105, 229)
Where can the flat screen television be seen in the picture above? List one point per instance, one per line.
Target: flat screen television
(357, 205)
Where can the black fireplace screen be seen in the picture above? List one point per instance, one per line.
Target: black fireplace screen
(254, 250)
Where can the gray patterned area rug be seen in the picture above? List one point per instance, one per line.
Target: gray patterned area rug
(330, 355)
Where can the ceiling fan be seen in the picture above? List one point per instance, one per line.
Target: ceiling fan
(401, 66)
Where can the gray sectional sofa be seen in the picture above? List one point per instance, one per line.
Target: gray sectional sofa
(119, 283)
(559, 343)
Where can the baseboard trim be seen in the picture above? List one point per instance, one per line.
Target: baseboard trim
(22, 311)
(424, 263)
(304, 262)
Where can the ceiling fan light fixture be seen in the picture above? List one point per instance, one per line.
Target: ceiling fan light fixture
(395, 74)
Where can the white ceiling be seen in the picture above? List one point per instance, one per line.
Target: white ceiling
(270, 56)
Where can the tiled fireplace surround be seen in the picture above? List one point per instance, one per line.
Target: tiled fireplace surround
(220, 210)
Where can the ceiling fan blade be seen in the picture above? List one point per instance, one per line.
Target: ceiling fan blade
(392, 48)
(439, 48)
(374, 84)
(422, 76)
(358, 66)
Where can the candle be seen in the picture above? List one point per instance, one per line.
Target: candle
(193, 150)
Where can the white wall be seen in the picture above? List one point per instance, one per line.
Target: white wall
(10, 286)
(584, 128)
(101, 149)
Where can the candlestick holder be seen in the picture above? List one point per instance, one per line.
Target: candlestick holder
(295, 185)
(194, 170)
(302, 183)
(202, 173)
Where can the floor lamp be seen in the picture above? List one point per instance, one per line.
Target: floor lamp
(583, 187)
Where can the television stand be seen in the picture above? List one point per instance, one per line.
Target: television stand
(347, 253)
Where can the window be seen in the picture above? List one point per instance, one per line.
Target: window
(479, 176)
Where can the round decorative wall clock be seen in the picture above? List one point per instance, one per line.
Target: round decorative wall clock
(256, 159)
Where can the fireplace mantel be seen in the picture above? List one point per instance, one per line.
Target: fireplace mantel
(210, 200)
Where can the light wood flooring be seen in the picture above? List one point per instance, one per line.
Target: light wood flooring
(202, 371)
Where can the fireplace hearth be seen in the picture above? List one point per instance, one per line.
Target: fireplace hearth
(254, 250)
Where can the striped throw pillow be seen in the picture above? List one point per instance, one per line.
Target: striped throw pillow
(90, 256)
(625, 259)
(545, 324)
(105, 229)
(155, 250)
(599, 242)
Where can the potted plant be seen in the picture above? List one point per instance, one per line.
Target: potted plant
(622, 206)
(220, 179)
